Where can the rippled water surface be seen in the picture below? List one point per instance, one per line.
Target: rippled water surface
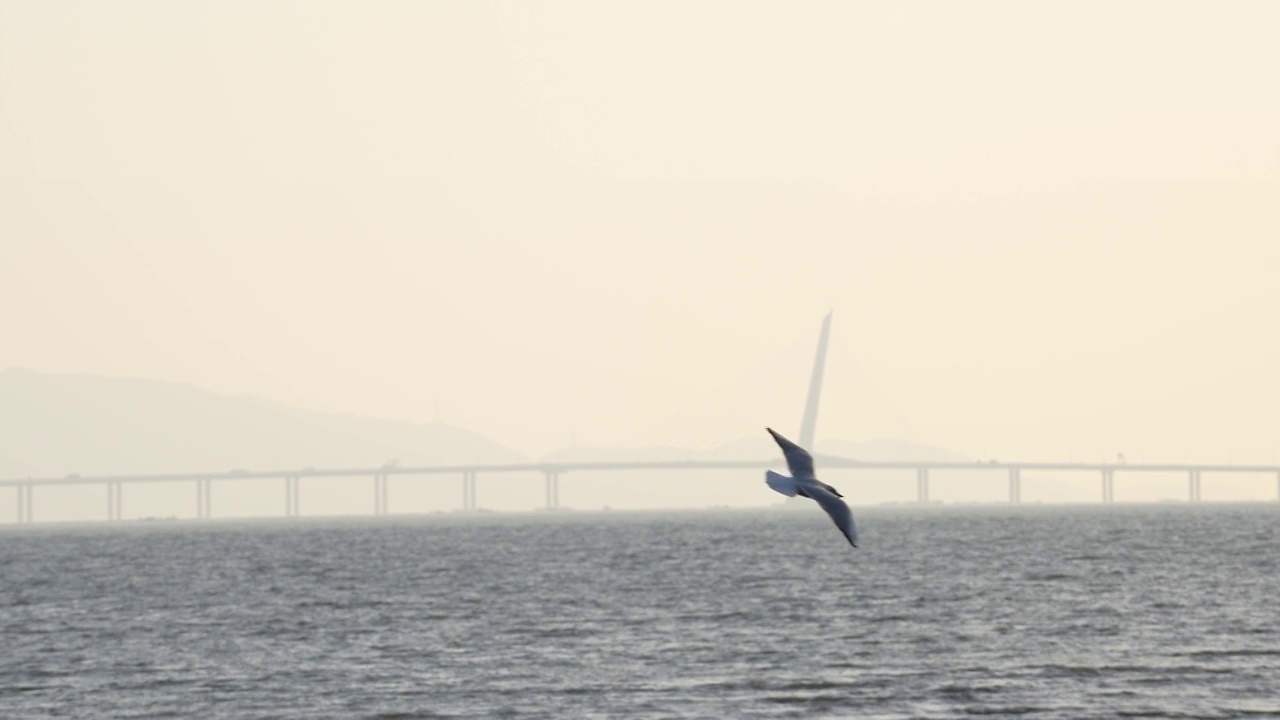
(1035, 612)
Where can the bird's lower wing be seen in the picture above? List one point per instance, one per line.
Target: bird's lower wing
(781, 483)
(839, 512)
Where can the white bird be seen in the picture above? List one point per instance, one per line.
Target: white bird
(805, 484)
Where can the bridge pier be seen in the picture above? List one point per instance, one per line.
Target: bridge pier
(291, 496)
(1193, 486)
(1108, 485)
(379, 494)
(24, 503)
(203, 510)
(1015, 485)
(922, 484)
(114, 504)
(553, 490)
(469, 490)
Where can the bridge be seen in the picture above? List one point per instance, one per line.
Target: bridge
(551, 471)
(292, 479)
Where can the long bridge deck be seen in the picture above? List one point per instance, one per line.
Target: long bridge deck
(552, 470)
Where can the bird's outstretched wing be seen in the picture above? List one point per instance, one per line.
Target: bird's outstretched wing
(838, 511)
(799, 461)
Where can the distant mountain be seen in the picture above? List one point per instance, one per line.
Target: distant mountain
(764, 449)
(888, 450)
(608, 454)
(59, 424)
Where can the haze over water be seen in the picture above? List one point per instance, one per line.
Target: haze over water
(1031, 612)
(1047, 229)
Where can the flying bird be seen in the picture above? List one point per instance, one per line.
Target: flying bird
(805, 484)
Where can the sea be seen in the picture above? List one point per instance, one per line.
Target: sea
(1157, 611)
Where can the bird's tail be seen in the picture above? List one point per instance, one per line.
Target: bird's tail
(781, 483)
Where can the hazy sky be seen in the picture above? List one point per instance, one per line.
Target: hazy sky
(1046, 229)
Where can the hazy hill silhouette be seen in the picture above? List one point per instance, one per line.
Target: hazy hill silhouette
(58, 424)
(889, 449)
(762, 448)
(623, 454)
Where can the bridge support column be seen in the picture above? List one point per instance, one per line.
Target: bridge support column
(922, 485)
(553, 490)
(203, 510)
(1193, 486)
(469, 490)
(291, 496)
(1015, 485)
(1108, 485)
(113, 501)
(1278, 486)
(24, 503)
(379, 494)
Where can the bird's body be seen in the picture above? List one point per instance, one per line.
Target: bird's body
(804, 482)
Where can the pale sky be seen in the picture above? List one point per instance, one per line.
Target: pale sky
(1046, 229)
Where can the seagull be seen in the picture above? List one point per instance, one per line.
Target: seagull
(803, 483)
